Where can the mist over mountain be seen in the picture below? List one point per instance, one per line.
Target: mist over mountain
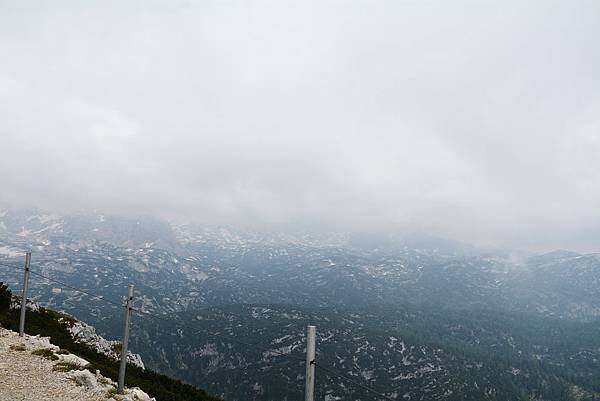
(410, 316)
(332, 116)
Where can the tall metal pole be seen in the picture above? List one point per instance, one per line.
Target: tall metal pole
(24, 295)
(309, 390)
(128, 310)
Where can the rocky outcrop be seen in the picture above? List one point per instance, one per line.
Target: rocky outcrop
(84, 333)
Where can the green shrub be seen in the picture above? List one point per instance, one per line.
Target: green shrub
(46, 353)
(65, 367)
(117, 347)
(5, 297)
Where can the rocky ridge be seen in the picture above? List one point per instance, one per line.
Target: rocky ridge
(86, 334)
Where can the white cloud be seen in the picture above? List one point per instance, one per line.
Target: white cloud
(478, 121)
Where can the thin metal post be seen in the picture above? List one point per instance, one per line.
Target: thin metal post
(128, 311)
(24, 295)
(309, 390)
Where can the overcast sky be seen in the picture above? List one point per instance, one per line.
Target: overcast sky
(473, 120)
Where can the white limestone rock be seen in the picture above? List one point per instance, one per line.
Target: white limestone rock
(15, 303)
(73, 359)
(136, 394)
(85, 378)
(86, 334)
(37, 342)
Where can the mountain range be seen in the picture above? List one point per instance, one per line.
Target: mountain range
(412, 317)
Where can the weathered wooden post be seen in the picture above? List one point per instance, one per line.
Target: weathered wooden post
(24, 295)
(128, 311)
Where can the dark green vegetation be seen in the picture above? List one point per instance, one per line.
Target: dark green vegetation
(5, 297)
(46, 353)
(423, 353)
(46, 323)
(65, 367)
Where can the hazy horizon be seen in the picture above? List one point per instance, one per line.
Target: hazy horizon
(472, 121)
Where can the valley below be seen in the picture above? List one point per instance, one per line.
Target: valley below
(412, 318)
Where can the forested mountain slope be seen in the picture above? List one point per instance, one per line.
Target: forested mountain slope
(419, 318)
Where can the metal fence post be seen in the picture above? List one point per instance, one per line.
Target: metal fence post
(128, 311)
(24, 295)
(309, 390)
